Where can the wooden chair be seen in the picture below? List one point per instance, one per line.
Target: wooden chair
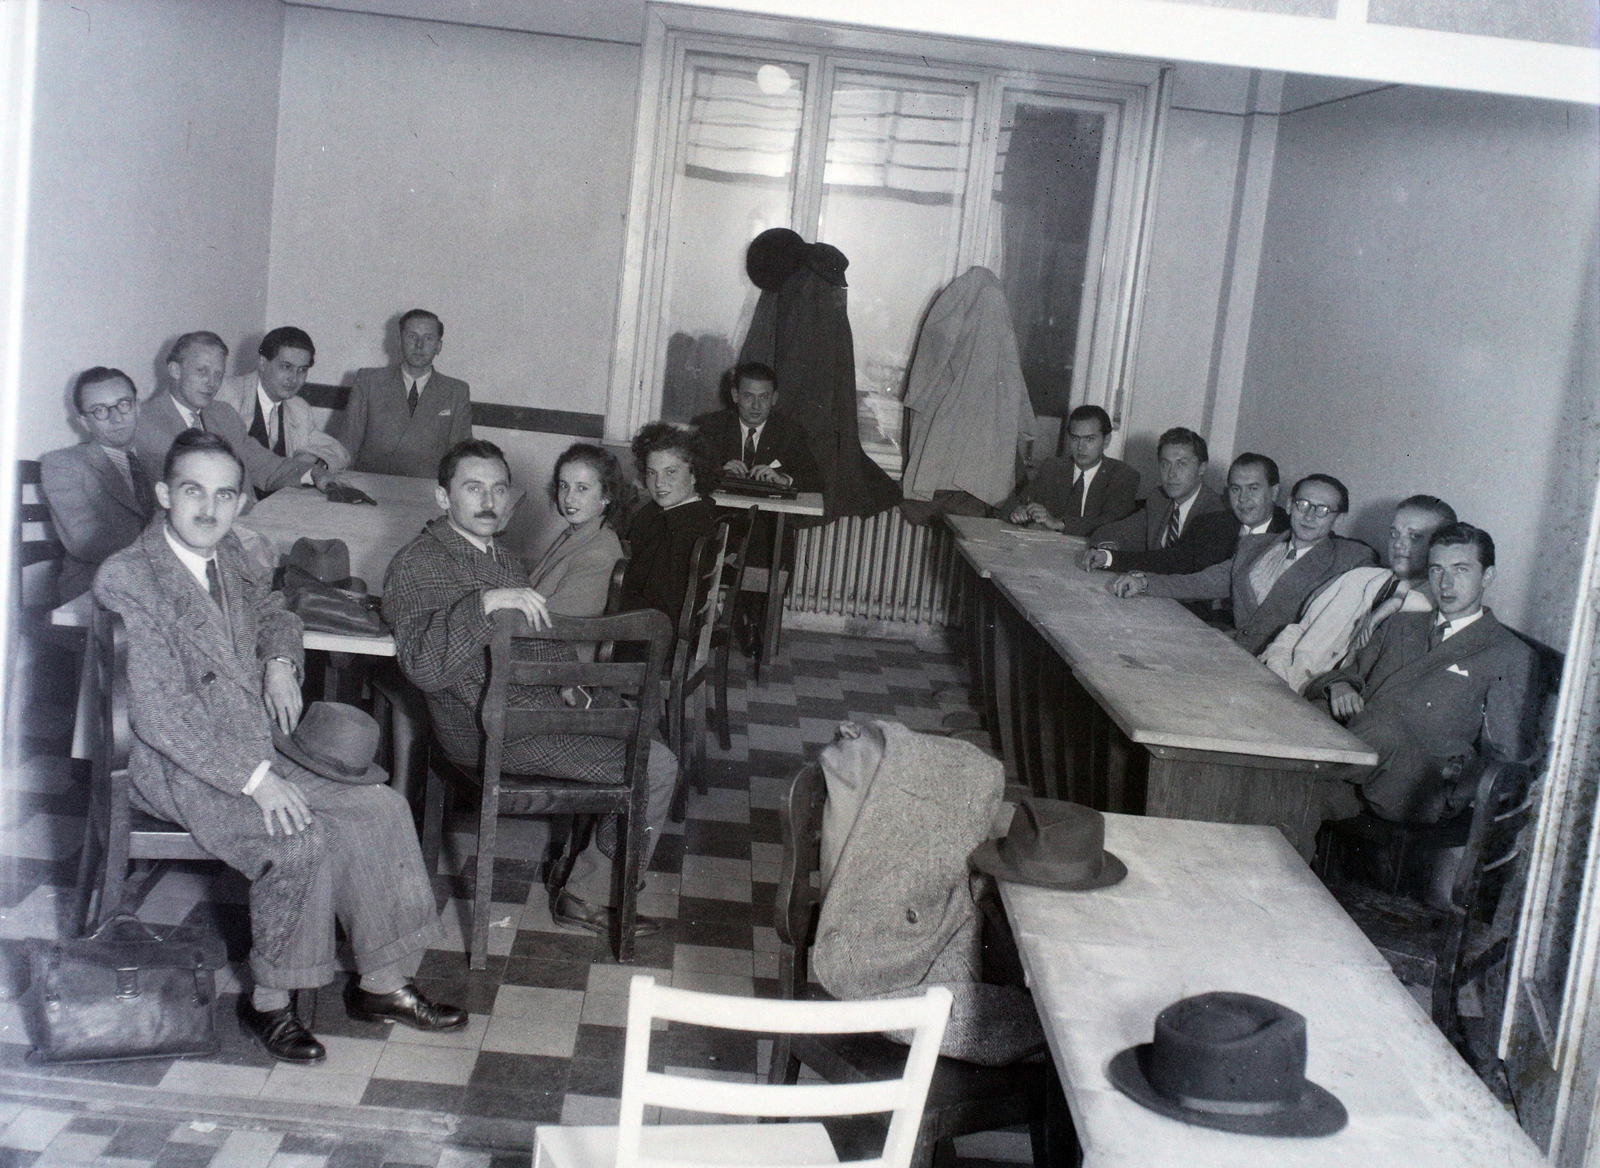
(702, 602)
(735, 568)
(34, 543)
(1442, 949)
(511, 663)
(115, 833)
(963, 1097)
(630, 1143)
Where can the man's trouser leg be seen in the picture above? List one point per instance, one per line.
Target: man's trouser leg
(591, 878)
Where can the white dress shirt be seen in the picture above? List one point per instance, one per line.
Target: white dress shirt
(1259, 529)
(188, 415)
(269, 411)
(1086, 477)
(1454, 625)
(420, 382)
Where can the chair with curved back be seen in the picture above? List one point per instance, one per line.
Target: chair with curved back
(702, 602)
(963, 1098)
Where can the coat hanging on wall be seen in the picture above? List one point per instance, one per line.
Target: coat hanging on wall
(801, 329)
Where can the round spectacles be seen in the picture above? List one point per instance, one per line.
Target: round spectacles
(1307, 507)
(122, 407)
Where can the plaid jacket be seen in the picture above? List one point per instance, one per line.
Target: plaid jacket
(433, 599)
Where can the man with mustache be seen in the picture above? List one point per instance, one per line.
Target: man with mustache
(439, 595)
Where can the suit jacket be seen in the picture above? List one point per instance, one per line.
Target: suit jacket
(1207, 539)
(194, 673)
(1468, 695)
(1142, 531)
(160, 422)
(574, 575)
(94, 510)
(782, 440)
(381, 434)
(300, 431)
(1256, 623)
(1113, 494)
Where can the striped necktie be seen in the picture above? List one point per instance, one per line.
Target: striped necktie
(1170, 536)
(214, 582)
(749, 448)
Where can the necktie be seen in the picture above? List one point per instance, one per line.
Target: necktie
(142, 491)
(749, 448)
(411, 399)
(1075, 497)
(258, 426)
(1289, 559)
(279, 445)
(214, 582)
(1170, 536)
(1436, 634)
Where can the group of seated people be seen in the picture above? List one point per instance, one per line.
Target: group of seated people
(1407, 655)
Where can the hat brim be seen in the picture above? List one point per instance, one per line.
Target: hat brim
(986, 857)
(1318, 1113)
(287, 747)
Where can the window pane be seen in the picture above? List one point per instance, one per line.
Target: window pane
(892, 200)
(1044, 191)
(736, 173)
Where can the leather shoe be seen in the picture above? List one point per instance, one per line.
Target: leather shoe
(597, 918)
(405, 1004)
(280, 1033)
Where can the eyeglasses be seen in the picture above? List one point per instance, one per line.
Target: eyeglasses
(122, 407)
(1307, 507)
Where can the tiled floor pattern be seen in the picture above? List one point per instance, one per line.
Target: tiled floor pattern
(546, 1035)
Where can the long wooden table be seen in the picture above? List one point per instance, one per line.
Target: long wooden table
(1162, 713)
(1208, 907)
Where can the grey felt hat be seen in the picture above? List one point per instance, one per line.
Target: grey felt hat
(1054, 845)
(336, 741)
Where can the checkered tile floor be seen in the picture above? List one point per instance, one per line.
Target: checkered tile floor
(546, 1036)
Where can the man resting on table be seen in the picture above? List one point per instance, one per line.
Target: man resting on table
(439, 595)
(214, 665)
(1079, 493)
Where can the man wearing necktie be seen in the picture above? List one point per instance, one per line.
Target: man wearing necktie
(100, 492)
(1432, 692)
(268, 398)
(1082, 491)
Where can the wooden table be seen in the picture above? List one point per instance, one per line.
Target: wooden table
(776, 575)
(1223, 907)
(1182, 722)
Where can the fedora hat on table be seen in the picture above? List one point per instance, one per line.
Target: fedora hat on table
(1234, 1062)
(328, 560)
(1052, 844)
(336, 741)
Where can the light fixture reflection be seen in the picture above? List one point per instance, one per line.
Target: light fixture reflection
(773, 80)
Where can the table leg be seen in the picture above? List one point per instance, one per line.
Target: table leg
(777, 583)
(1005, 694)
(85, 719)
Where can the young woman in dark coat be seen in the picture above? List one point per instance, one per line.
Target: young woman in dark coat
(675, 470)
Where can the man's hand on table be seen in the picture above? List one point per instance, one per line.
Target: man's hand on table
(1031, 513)
(768, 474)
(1343, 701)
(1128, 584)
(280, 690)
(282, 804)
(525, 600)
(735, 467)
(1094, 558)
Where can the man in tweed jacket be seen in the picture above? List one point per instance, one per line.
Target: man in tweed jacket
(214, 663)
(438, 596)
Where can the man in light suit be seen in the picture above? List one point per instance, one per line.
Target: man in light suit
(269, 400)
(401, 420)
(1433, 691)
(1181, 455)
(100, 494)
(1079, 493)
(196, 364)
(214, 670)
(1270, 577)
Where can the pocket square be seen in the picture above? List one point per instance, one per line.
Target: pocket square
(446, 413)
(1454, 668)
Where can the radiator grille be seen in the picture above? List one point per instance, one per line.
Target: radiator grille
(880, 568)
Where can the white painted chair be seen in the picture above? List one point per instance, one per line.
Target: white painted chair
(632, 1145)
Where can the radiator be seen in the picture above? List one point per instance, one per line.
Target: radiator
(880, 569)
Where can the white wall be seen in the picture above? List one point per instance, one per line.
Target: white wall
(480, 173)
(154, 132)
(1426, 321)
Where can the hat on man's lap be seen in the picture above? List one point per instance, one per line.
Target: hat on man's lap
(336, 741)
(1230, 1061)
(1052, 844)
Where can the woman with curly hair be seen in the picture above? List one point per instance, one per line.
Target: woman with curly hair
(586, 489)
(676, 472)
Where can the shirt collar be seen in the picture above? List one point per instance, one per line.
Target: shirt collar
(421, 384)
(1453, 625)
(190, 416)
(264, 398)
(1087, 475)
(1259, 529)
(482, 545)
(195, 562)
(752, 430)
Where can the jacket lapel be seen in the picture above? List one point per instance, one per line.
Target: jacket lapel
(1469, 642)
(111, 481)
(193, 615)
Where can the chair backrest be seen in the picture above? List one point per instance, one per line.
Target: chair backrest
(607, 650)
(924, 1016)
(110, 649)
(1501, 808)
(521, 655)
(32, 512)
(700, 598)
(799, 897)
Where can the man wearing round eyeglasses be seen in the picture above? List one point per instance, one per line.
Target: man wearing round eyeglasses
(1270, 576)
(100, 494)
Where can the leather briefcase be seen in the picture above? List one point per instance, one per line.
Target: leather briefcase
(127, 992)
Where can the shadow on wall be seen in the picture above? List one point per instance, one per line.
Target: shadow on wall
(1370, 522)
(692, 381)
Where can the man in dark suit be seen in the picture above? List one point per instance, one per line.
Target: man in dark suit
(196, 364)
(100, 494)
(214, 671)
(1211, 537)
(401, 420)
(753, 441)
(1270, 577)
(1181, 455)
(1081, 492)
(1432, 691)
